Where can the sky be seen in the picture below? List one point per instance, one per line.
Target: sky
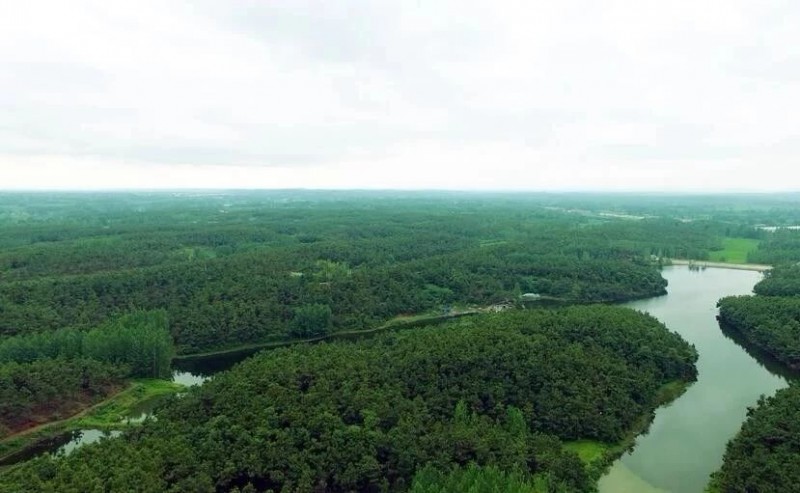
(452, 94)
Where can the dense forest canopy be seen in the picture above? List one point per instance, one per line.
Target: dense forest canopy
(780, 247)
(771, 323)
(49, 376)
(781, 280)
(51, 389)
(234, 268)
(98, 288)
(771, 318)
(498, 390)
(139, 343)
(765, 455)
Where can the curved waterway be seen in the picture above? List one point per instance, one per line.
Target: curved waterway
(686, 441)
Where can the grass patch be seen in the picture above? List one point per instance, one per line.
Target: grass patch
(114, 413)
(111, 414)
(671, 391)
(589, 451)
(14, 444)
(734, 250)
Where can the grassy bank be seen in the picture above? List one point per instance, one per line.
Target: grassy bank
(110, 414)
(115, 412)
(599, 456)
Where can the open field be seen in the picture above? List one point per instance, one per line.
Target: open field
(734, 250)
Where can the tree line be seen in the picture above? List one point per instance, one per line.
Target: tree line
(771, 318)
(139, 343)
(770, 322)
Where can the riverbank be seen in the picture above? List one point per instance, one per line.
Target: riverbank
(112, 413)
(719, 265)
(599, 456)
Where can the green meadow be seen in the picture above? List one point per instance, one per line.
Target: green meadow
(734, 250)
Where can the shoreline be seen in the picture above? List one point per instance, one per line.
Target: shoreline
(608, 453)
(719, 265)
(108, 414)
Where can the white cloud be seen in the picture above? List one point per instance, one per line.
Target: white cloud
(501, 95)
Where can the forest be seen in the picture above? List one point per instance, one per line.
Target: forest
(765, 455)
(98, 289)
(51, 389)
(251, 268)
(497, 391)
(781, 248)
(771, 323)
(781, 280)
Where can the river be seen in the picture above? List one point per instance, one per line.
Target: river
(686, 441)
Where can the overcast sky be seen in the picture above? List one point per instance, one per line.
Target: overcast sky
(556, 95)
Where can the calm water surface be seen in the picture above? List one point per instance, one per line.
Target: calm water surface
(686, 441)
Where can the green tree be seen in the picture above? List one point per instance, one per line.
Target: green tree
(311, 320)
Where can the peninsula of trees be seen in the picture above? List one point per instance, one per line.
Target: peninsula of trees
(403, 409)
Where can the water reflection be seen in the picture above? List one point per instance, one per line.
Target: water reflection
(763, 358)
(196, 370)
(84, 437)
(63, 444)
(687, 439)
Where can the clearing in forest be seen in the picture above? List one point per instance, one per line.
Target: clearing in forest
(734, 250)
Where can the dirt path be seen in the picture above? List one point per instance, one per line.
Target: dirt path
(80, 414)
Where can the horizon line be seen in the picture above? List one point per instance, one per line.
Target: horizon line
(631, 191)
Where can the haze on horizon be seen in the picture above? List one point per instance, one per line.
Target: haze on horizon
(508, 95)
